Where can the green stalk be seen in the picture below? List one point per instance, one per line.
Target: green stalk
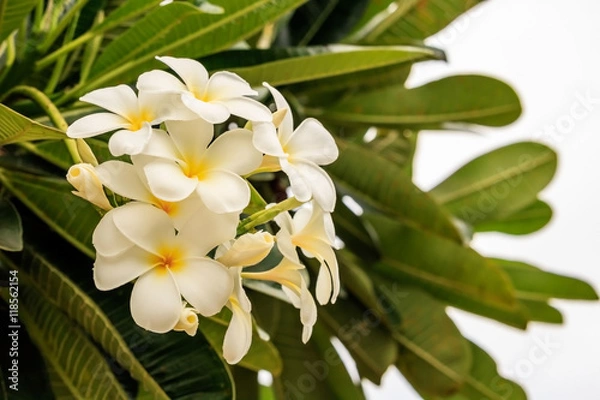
(267, 215)
(57, 72)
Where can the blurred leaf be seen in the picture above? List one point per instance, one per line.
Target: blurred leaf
(451, 272)
(470, 99)
(534, 284)
(412, 20)
(71, 356)
(539, 310)
(15, 128)
(11, 230)
(12, 14)
(52, 201)
(361, 331)
(484, 381)
(374, 7)
(385, 186)
(180, 30)
(527, 220)
(353, 232)
(262, 354)
(56, 152)
(433, 355)
(125, 12)
(321, 22)
(498, 183)
(286, 66)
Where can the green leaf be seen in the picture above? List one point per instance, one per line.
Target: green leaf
(52, 201)
(412, 20)
(360, 330)
(374, 8)
(56, 152)
(11, 230)
(262, 354)
(180, 30)
(527, 220)
(287, 66)
(15, 128)
(484, 381)
(12, 13)
(451, 272)
(498, 183)
(385, 186)
(469, 99)
(534, 284)
(71, 356)
(433, 355)
(541, 311)
(126, 11)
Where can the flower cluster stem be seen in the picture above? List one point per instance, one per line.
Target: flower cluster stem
(267, 215)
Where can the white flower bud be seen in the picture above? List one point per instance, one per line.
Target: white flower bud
(248, 249)
(83, 177)
(85, 152)
(188, 321)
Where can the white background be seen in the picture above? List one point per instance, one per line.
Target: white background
(549, 51)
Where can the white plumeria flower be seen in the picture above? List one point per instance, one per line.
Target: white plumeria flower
(129, 181)
(85, 179)
(138, 241)
(213, 99)
(288, 274)
(188, 320)
(180, 163)
(249, 249)
(312, 230)
(300, 152)
(131, 116)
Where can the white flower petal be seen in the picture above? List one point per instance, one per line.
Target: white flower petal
(191, 72)
(107, 239)
(249, 109)
(155, 301)
(265, 139)
(323, 286)
(249, 249)
(160, 145)
(167, 181)
(227, 85)
(205, 230)
(311, 141)
(145, 225)
(115, 271)
(285, 245)
(119, 99)
(321, 185)
(330, 277)
(215, 113)
(96, 124)
(238, 337)
(124, 179)
(130, 142)
(188, 321)
(233, 151)
(191, 137)
(300, 187)
(223, 191)
(286, 127)
(308, 312)
(204, 283)
(157, 81)
(85, 179)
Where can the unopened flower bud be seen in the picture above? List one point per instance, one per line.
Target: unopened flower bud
(83, 177)
(188, 321)
(249, 249)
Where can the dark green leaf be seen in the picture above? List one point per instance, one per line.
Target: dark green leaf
(15, 128)
(12, 13)
(383, 185)
(498, 183)
(11, 230)
(527, 220)
(470, 99)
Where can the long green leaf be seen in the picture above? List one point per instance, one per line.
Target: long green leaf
(11, 230)
(527, 220)
(498, 183)
(412, 20)
(383, 185)
(469, 99)
(433, 356)
(180, 29)
(450, 272)
(484, 381)
(15, 128)
(75, 360)
(52, 201)
(287, 66)
(12, 13)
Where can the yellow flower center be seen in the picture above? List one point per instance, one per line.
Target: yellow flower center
(137, 120)
(194, 169)
(168, 258)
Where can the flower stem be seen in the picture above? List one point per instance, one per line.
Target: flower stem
(267, 215)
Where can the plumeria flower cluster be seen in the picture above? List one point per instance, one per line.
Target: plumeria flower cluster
(176, 226)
